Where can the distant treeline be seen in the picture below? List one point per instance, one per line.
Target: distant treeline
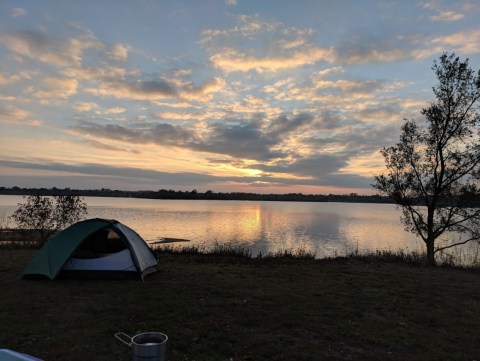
(194, 194)
(469, 200)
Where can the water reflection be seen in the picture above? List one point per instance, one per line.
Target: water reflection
(325, 228)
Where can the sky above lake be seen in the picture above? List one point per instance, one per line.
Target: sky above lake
(264, 96)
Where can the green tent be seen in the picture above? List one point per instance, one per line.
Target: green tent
(94, 248)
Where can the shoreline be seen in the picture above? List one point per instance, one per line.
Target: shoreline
(243, 254)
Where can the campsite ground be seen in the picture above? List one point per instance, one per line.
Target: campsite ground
(237, 308)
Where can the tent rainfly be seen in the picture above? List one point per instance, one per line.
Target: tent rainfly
(94, 248)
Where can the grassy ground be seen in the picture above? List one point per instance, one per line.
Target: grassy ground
(238, 308)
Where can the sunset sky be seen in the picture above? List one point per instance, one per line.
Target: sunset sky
(258, 96)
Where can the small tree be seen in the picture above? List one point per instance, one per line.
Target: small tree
(434, 171)
(68, 210)
(46, 215)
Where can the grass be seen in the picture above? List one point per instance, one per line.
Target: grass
(226, 305)
(19, 238)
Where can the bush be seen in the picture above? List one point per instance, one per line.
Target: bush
(47, 215)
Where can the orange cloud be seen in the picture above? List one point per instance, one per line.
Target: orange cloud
(57, 88)
(231, 60)
(467, 42)
(12, 115)
(446, 16)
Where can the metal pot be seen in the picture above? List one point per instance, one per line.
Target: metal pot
(146, 346)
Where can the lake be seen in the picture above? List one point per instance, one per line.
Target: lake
(325, 228)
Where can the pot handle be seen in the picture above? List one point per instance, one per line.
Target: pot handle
(119, 336)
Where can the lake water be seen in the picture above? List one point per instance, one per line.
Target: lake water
(326, 228)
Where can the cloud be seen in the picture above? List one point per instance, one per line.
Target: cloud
(349, 86)
(116, 174)
(231, 60)
(443, 15)
(319, 170)
(85, 106)
(160, 133)
(231, 2)
(315, 167)
(240, 140)
(109, 131)
(57, 88)
(247, 26)
(95, 175)
(335, 93)
(12, 115)
(109, 147)
(291, 49)
(204, 91)
(446, 16)
(467, 42)
(251, 139)
(363, 47)
(167, 134)
(176, 105)
(137, 90)
(115, 110)
(101, 73)
(428, 4)
(38, 46)
(182, 116)
(236, 49)
(158, 89)
(118, 52)
(8, 79)
(17, 12)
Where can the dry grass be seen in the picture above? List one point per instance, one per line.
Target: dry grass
(231, 307)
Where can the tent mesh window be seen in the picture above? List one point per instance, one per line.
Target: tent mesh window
(99, 244)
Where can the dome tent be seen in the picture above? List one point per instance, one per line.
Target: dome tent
(94, 248)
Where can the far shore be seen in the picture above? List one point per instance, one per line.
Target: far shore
(197, 195)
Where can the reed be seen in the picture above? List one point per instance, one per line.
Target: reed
(460, 257)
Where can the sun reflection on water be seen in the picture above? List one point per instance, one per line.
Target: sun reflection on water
(325, 228)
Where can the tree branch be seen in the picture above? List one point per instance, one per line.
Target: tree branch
(456, 244)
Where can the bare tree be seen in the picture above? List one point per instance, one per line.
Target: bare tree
(46, 215)
(433, 173)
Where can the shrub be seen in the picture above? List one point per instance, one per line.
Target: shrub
(47, 215)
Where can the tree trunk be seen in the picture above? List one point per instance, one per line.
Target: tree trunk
(430, 238)
(430, 251)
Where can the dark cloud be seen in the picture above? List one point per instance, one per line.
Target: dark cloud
(252, 139)
(283, 125)
(171, 134)
(90, 175)
(34, 39)
(101, 145)
(134, 175)
(109, 131)
(256, 140)
(150, 88)
(159, 133)
(315, 168)
(344, 180)
(36, 45)
(362, 46)
(238, 139)
(145, 86)
(331, 120)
